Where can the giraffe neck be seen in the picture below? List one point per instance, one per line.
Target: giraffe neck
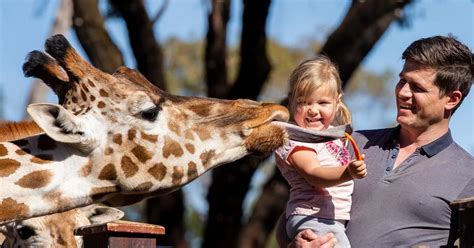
(45, 176)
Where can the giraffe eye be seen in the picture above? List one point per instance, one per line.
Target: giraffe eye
(25, 232)
(151, 114)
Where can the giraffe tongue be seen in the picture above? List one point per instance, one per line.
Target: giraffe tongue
(298, 133)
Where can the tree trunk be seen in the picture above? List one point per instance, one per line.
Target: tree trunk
(230, 183)
(364, 24)
(90, 30)
(255, 65)
(265, 213)
(216, 52)
(146, 49)
(168, 211)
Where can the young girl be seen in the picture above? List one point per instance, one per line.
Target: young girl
(320, 174)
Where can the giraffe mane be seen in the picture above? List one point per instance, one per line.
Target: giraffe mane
(10, 131)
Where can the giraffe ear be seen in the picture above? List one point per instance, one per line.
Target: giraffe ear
(56, 121)
(98, 214)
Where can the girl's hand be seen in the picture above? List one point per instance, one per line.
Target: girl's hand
(357, 169)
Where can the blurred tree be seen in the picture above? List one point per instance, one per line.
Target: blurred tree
(89, 26)
(146, 49)
(364, 24)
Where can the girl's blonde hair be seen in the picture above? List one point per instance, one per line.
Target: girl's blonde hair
(309, 76)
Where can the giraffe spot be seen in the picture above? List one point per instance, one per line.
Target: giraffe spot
(117, 139)
(3, 151)
(206, 158)
(108, 151)
(103, 190)
(171, 147)
(128, 167)
(149, 137)
(92, 98)
(101, 104)
(84, 87)
(173, 126)
(83, 95)
(143, 187)
(188, 135)
(223, 136)
(91, 84)
(86, 169)
(108, 173)
(22, 152)
(87, 109)
(131, 134)
(42, 159)
(141, 153)
(10, 209)
(74, 99)
(177, 175)
(103, 93)
(45, 143)
(158, 171)
(57, 198)
(78, 111)
(20, 143)
(200, 109)
(192, 171)
(203, 133)
(8, 167)
(190, 147)
(36, 179)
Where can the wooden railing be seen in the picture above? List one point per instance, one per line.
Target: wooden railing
(465, 208)
(118, 234)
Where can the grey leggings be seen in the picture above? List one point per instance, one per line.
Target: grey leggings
(320, 226)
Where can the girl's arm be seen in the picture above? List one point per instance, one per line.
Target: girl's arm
(307, 163)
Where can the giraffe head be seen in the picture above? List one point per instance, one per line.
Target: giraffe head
(56, 230)
(143, 137)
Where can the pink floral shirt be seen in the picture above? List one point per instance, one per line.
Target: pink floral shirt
(305, 199)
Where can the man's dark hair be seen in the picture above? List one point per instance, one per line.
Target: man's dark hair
(452, 60)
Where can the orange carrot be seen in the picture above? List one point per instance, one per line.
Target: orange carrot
(356, 149)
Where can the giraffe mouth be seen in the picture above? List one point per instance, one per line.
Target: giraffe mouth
(278, 113)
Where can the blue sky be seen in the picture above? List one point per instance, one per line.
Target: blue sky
(25, 24)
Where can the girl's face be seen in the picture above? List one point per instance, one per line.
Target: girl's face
(318, 110)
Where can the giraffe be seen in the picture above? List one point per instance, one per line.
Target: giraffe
(117, 138)
(56, 230)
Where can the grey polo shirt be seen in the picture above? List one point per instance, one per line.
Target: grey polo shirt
(409, 205)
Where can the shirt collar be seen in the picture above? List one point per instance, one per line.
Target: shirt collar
(438, 145)
(430, 149)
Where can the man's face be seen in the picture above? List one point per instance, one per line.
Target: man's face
(419, 103)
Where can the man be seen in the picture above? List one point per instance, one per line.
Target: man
(415, 169)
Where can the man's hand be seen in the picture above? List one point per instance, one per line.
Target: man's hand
(308, 239)
(357, 169)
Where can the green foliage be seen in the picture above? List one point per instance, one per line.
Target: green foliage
(184, 68)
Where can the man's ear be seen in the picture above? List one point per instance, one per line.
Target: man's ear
(56, 121)
(453, 100)
(99, 214)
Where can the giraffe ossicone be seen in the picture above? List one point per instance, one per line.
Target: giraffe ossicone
(117, 138)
